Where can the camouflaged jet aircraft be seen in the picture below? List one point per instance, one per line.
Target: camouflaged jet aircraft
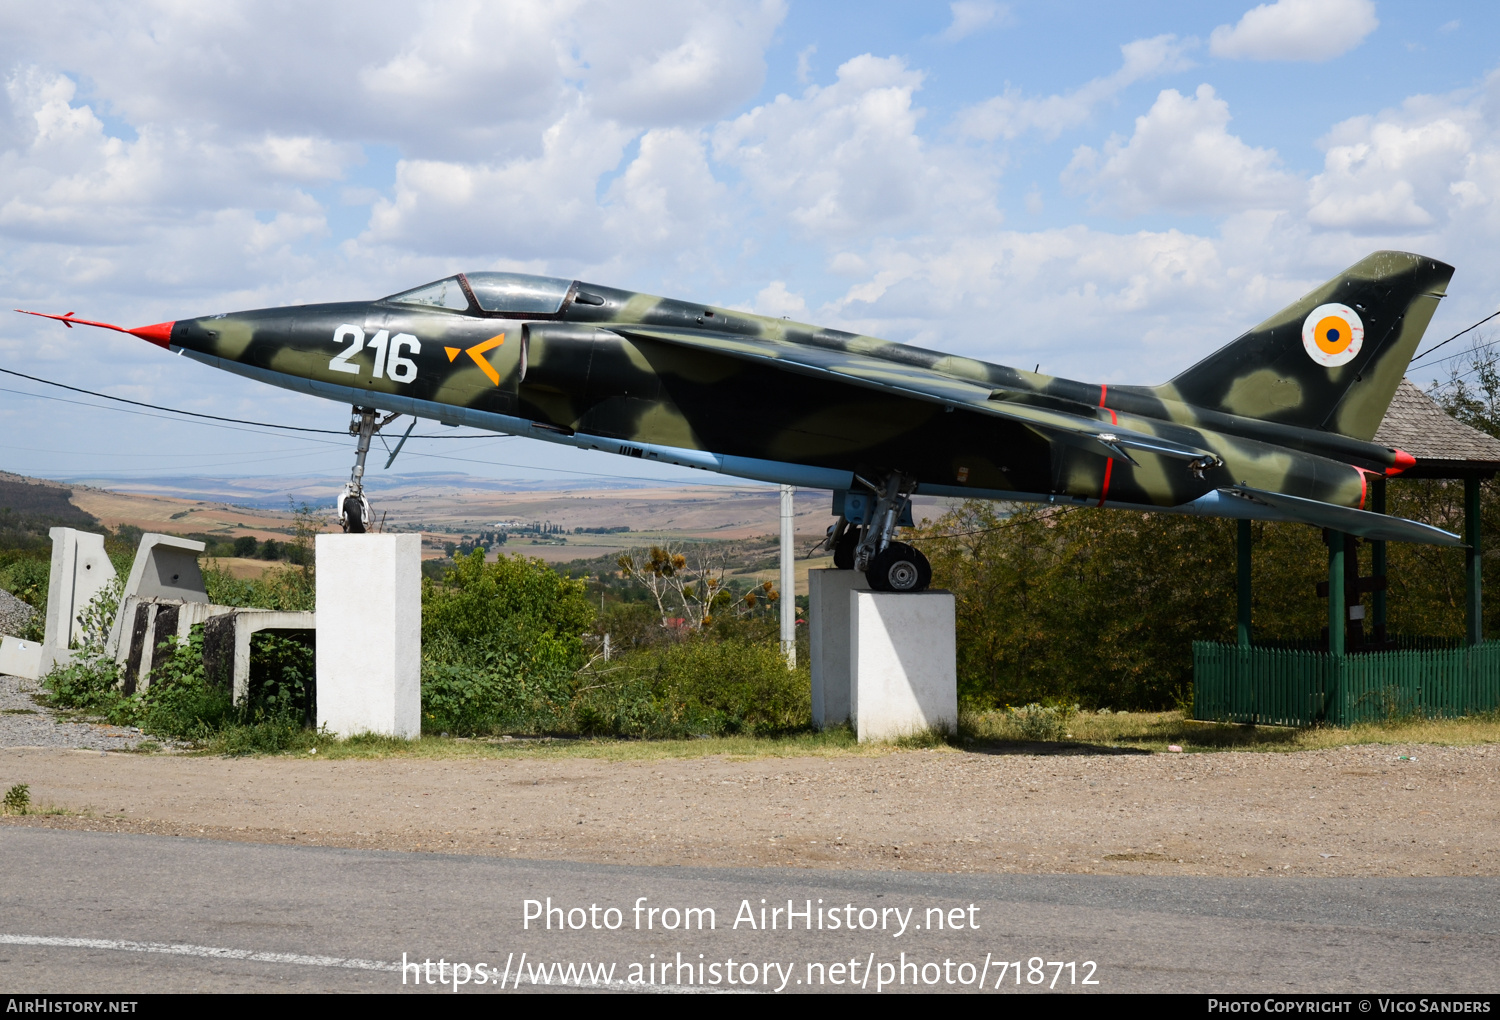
(1277, 425)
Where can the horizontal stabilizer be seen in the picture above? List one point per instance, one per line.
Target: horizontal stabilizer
(1342, 518)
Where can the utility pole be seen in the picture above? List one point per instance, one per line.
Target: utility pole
(788, 579)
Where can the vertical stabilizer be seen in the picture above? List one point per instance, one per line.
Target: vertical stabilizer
(1331, 360)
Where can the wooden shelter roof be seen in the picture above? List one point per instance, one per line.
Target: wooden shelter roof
(1444, 446)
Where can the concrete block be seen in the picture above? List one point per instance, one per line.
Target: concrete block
(369, 613)
(253, 621)
(901, 647)
(828, 631)
(165, 567)
(145, 623)
(20, 658)
(80, 570)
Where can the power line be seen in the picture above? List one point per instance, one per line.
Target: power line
(1452, 338)
(199, 414)
(492, 437)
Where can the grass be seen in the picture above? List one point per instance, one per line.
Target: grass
(991, 732)
(835, 742)
(1156, 731)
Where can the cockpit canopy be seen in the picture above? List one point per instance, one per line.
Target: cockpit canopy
(491, 293)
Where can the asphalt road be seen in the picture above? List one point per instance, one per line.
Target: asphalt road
(91, 912)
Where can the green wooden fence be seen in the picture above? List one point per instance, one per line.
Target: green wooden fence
(1297, 687)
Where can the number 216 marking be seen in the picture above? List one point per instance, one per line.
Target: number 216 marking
(387, 348)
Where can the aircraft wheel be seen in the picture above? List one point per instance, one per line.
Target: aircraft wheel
(843, 551)
(899, 568)
(354, 518)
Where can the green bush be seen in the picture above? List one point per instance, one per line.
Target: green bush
(26, 577)
(501, 643)
(697, 686)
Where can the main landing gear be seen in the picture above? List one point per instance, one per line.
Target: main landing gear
(355, 516)
(862, 537)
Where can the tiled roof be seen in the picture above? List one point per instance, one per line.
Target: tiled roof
(1415, 423)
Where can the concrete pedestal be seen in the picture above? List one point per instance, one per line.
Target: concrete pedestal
(369, 619)
(828, 631)
(905, 676)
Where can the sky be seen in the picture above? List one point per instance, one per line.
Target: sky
(1108, 191)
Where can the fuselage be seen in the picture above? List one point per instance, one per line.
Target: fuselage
(537, 357)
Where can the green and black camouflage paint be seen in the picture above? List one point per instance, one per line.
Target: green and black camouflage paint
(647, 376)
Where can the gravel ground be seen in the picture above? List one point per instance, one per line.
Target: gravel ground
(1352, 811)
(24, 723)
(15, 615)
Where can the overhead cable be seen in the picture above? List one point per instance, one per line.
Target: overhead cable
(211, 417)
(1452, 338)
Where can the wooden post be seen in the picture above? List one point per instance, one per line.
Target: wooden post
(1377, 563)
(1473, 582)
(1242, 576)
(1336, 611)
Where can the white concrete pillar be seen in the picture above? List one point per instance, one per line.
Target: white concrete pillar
(80, 570)
(901, 649)
(828, 631)
(369, 649)
(788, 577)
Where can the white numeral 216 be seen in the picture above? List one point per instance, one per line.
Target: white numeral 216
(402, 370)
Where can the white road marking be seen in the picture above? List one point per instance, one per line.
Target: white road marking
(351, 963)
(209, 952)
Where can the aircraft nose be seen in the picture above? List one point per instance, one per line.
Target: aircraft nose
(159, 334)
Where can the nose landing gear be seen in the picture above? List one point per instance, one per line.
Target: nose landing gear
(355, 516)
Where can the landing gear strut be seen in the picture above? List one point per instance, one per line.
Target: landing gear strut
(868, 546)
(355, 516)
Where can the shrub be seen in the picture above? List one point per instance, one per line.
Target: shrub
(1041, 722)
(696, 686)
(18, 799)
(501, 643)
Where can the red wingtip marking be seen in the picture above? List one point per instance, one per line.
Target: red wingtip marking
(1404, 461)
(159, 334)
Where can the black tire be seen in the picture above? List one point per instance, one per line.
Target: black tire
(354, 518)
(899, 568)
(843, 550)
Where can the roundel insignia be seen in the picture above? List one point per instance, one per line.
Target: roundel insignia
(1332, 334)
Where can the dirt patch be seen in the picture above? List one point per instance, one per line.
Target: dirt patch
(940, 810)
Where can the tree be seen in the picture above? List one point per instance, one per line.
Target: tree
(692, 589)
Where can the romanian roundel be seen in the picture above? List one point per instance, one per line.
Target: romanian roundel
(1332, 335)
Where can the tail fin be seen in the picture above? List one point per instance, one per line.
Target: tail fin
(1333, 359)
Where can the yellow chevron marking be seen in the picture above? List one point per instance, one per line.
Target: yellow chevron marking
(477, 353)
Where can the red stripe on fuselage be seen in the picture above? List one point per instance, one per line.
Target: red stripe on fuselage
(1109, 465)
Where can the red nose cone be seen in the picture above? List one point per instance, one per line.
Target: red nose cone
(1404, 460)
(159, 334)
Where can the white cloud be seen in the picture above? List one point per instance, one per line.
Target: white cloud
(847, 158)
(1404, 170)
(775, 299)
(970, 16)
(452, 79)
(526, 207)
(1012, 114)
(1312, 30)
(1182, 158)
